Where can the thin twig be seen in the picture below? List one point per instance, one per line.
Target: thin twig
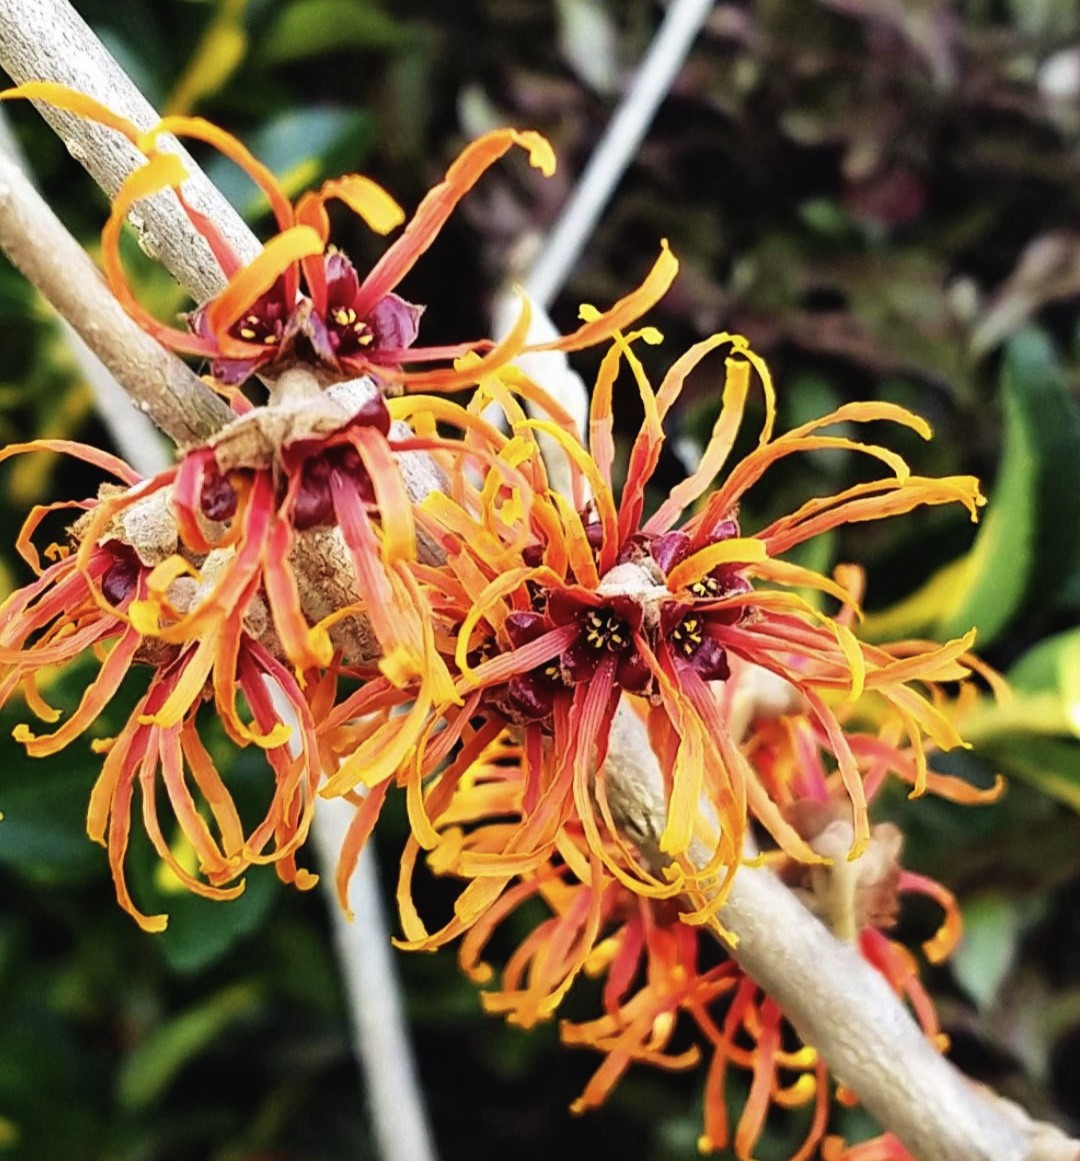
(47, 40)
(399, 1124)
(562, 247)
(133, 435)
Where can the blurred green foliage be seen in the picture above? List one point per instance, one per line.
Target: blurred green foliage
(884, 198)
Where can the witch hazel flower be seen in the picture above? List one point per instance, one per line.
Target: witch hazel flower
(85, 603)
(559, 609)
(301, 300)
(661, 974)
(214, 575)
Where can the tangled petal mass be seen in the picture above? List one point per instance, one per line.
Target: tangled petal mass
(383, 593)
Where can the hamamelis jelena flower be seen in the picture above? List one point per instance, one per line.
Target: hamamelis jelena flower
(301, 300)
(244, 501)
(83, 604)
(659, 973)
(556, 609)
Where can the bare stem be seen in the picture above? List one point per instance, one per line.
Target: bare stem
(47, 40)
(40, 246)
(380, 1035)
(562, 248)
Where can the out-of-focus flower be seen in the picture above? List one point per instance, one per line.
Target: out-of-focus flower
(301, 300)
(883, 1148)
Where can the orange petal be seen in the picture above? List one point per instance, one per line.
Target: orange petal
(440, 203)
(627, 310)
(255, 279)
(61, 97)
(225, 143)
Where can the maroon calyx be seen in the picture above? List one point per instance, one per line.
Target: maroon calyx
(313, 506)
(346, 334)
(317, 461)
(691, 644)
(121, 577)
(531, 696)
(266, 323)
(217, 497)
(604, 629)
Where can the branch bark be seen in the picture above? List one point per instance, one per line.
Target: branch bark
(40, 246)
(47, 40)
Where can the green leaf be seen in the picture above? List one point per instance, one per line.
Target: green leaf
(1001, 562)
(1045, 685)
(1053, 665)
(298, 146)
(992, 928)
(1029, 544)
(201, 931)
(43, 832)
(157, 1059)
(310, 28)
(1050, 764)
(1057, 414)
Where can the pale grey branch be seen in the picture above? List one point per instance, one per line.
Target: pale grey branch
(47, 40)
(38, 244)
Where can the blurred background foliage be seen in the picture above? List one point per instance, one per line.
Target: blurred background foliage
(883, 195)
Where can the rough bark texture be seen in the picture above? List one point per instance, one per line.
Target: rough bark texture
(46, 40)
(38, 244)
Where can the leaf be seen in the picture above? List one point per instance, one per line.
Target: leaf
(1049, 764)
(299, 146)
(1000, 564)
(202, 931)
(156, 1060)
(43, 832)
(1053, 666)
(992, 927)
(1029, 544)
(310, 28)
(1057, 416)
(222, 48)
(589, 43)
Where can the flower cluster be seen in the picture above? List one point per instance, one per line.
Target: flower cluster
(589, 695)
(559, 612)
(663, 977)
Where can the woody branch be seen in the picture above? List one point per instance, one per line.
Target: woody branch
(836, 1001)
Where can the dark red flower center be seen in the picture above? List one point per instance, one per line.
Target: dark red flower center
(314, 505)
(218, 497)
(688, 635)
(603, 629)
(256, 328)
(122, 575)
(348, 333)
